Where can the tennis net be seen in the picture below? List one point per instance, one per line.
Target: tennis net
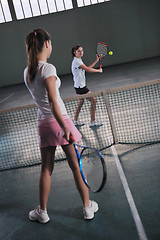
(129, 115)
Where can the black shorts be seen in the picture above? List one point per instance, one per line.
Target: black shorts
(83, 90)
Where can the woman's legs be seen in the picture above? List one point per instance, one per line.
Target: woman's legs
(93, 101)
(47, 155)
(73, 163)
(78, 109)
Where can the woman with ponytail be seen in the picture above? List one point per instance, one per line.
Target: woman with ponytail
(53, 123)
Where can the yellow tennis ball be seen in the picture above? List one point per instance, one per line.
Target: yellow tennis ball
(110, 53)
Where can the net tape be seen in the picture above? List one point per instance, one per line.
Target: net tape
(129, 115)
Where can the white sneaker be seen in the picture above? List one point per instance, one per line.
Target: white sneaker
(78, 123)
(95, 124)
(39, 215)
(90, 210)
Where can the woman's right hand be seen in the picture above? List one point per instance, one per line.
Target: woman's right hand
(67, 133)
(100, 70)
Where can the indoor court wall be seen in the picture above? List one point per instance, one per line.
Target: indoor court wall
(130, 28)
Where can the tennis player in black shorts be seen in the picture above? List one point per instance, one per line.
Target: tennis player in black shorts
(78, 71)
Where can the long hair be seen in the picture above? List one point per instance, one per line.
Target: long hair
(34, 44)
(75, 48)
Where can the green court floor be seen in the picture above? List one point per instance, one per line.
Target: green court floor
(113, 221)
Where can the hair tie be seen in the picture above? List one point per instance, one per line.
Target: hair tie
(35, 33)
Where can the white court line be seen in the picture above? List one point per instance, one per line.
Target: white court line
(7, 97)
(138, 222)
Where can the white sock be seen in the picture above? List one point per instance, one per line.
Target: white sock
(90, 204)
(41, 211)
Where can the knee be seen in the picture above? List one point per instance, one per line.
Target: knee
(46, 171)
(81, 102)
(94, 100)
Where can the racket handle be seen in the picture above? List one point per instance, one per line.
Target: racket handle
(100, 65)
(71, 138)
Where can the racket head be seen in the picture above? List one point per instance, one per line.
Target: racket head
(102, 49)
(93, 169)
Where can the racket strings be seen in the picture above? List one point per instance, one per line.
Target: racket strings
(101, 50)
(92, 168)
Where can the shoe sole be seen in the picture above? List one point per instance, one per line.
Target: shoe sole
(39, 220)
(96, 126)
(79, 125)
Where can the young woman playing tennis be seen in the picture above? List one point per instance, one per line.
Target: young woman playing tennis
(53, 122)
(78, 71)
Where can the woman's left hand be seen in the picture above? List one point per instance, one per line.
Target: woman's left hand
(97, 58)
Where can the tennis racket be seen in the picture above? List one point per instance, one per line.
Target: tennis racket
(102, 51)
(92, 166)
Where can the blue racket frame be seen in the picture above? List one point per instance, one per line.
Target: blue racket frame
(79, 156)
(80, 164)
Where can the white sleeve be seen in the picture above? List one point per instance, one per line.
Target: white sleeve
(48, 71)
(78, 62)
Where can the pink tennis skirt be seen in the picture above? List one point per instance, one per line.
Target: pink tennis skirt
(51, 134)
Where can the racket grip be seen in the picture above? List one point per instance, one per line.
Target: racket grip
(71, 138)
(100, 65)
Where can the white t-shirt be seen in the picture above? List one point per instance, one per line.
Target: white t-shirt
(78, 73)
(39, 92)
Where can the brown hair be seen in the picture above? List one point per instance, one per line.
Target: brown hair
(75, 48)
(34, 44)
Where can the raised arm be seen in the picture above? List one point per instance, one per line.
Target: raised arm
(94, 63)
(90, 69)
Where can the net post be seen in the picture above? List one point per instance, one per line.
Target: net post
(110, 116)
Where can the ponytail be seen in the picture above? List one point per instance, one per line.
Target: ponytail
(34, 44)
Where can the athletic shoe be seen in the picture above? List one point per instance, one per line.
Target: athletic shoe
(90, 210)
(78, 123)
(95, 124)
(39, 215)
